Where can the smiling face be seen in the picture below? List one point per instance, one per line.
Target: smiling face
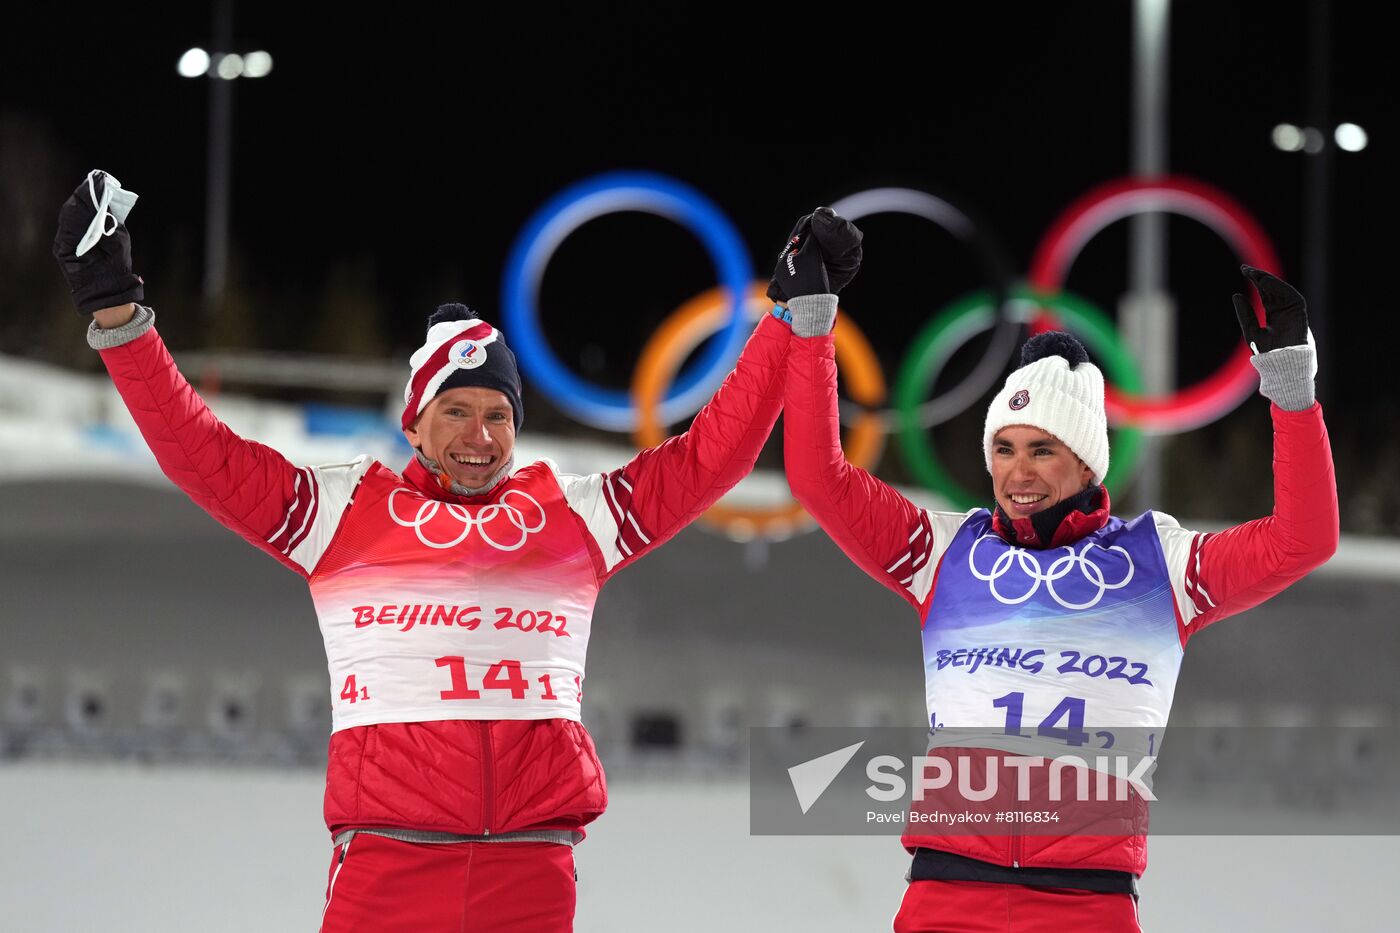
(1033, 470)
(469, 431)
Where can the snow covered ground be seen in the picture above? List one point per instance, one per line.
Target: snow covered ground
(122, 848)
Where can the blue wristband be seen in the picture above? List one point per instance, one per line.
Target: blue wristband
(782, 314)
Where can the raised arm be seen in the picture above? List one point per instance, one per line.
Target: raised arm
(889, 537)
(883, 532)
(662, 489)
(249, 488)
(1219, 574)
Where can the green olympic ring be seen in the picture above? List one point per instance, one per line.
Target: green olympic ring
(954, 326)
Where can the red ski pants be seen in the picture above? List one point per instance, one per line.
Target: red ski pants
(380, 885)
(983, 907)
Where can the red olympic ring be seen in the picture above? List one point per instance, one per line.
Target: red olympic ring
(1194, 405)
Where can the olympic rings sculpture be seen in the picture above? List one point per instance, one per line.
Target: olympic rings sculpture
(1231, 384)
(995, 264)
(662, 392)
(611, 409)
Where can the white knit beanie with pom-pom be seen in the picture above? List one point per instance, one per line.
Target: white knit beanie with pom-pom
(1059, 391)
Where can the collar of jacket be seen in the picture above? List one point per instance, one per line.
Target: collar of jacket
(1063, 523)
(431, 484)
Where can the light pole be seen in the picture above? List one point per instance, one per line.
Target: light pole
(1147, 310)
(1319, 146)
(222, 68)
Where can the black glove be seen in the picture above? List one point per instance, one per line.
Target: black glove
(839, 241)
(1285, 313)
(800, 270)
(101, 277)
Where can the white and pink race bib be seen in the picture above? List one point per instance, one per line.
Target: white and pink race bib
(433, 610)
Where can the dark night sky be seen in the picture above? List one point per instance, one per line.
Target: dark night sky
(402, 151)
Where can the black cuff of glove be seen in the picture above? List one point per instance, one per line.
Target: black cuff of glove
(109, 292)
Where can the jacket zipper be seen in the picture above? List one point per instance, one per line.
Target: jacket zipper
(488, 791)
(1016, 845)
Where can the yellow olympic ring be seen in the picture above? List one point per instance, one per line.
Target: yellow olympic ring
(686, 329)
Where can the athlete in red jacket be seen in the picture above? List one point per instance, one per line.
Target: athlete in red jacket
(1047, 609)
(455, 598)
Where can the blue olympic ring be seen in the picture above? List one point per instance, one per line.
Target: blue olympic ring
(612, 409)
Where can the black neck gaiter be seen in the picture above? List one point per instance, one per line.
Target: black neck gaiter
(1043, 528)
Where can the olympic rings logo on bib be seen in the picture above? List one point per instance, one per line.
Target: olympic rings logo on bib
(1060, 567)
(485, 519)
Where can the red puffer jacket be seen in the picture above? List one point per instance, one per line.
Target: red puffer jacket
(465, 776)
